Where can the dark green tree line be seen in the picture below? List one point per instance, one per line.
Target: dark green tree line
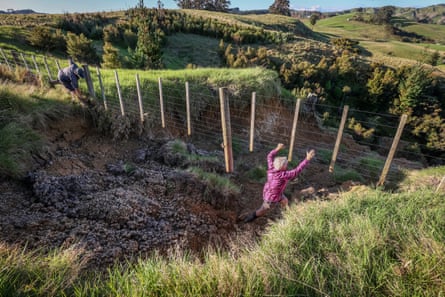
(212, 5)
(280, 7)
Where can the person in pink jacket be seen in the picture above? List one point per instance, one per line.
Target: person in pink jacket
(277, 178)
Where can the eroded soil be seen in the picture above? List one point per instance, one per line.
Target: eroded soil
(115, 200)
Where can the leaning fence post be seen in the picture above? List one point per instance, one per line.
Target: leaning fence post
(102, 88)
(161, 103)
(6, 59)
(89, 81)
(15, 58)
(35, 64)
(187, 107)
(24, 61)
(339, 137)
(252, 120)
(392, 151)
(47, 68)
(58, 65)
(119, 93)
(442, 182)
(294, 130)
(141, 107)
(226, 129)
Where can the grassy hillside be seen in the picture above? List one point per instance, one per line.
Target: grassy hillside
(430, 14)
(377, 41)
(185, 50)
(431, 31)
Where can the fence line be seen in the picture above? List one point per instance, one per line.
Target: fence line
(251, 123)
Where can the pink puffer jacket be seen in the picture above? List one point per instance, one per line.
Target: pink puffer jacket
(278, 179)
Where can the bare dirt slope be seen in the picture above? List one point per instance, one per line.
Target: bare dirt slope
(119, 199)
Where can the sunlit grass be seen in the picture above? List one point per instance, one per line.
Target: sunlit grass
(216, 182)
(24, 109)
(37, 273)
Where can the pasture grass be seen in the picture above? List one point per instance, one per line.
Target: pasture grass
(383, 46)
(23, 110)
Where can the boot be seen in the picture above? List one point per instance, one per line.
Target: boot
(250, 217)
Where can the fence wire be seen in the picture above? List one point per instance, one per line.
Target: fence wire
(365, 144)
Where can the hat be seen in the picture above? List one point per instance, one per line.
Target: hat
(279, 162)
(79, 72)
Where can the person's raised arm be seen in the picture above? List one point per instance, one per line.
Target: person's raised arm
(279, 147)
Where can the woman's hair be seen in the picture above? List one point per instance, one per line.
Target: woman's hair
(79, 72)
(279, 162)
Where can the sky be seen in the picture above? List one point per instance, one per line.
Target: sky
(62, 6)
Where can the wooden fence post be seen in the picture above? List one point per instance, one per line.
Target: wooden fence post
(89, 81)
(35, 64)
(187, 105)
(226, 129)
(118, 86)
(442, 182)
(252, 121)
(47, 68)
(102, 88)
(24, 61)
(58, 65)
(339, 137)
(294, 130)
(15, 58)
(161, 103)
(392, 151)
(141, 107)
(6, 59)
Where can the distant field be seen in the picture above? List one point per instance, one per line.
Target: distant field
(379, 43)
(413, 51)
(435, 32)
(340, 26)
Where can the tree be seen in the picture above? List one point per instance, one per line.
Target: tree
(382, 88)
(111, 56)
(81, 49)
(43, 38)
(148, 52)
(313, 19)
(413, 88)
(280, 7)
(211, 5)
(384, 14)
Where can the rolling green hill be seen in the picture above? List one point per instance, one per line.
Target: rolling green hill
(381, 44)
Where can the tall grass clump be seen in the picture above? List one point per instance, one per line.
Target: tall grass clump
(342, 175)
(216, 181)
(22, 111)
(17, 142)
(37, 273)
(367, 244)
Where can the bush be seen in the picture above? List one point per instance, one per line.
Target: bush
(81, 49)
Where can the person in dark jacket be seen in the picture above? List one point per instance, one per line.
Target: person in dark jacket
(277, 178)
(69, 78)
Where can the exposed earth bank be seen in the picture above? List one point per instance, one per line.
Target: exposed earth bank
(115, 200)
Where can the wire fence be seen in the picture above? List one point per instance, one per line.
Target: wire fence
(257, 121)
